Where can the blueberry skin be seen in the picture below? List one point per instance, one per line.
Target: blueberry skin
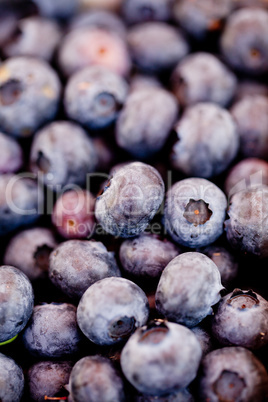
(111, 309)
(247, 226)
(32, 32)
(161, 358)
(11, 155)
(198, 18)
(17, 300)
(146, 10)
(251, 117)
(147, 255)
(11, 380)
(204, 338)
(232, 374)
(77, 264)
(201, 77)
(91, 46)
(244, 42)
(60, 9)
(183, 395)
(20, 202)
(94, 96)
(63, 153)
(29, 95)
(194, 212)
(241, 320)
(48, 378)
(29, 251)
(145, 122)
(94, 378)
(188, 288)
(52, 331)
(130, 200)
(156, 46)
(198, 151)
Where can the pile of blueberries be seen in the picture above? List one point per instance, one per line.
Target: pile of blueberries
(134, 200)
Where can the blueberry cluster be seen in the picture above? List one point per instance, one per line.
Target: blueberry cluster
(133, 200)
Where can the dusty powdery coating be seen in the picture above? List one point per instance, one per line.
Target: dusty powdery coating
(11, 380)
(94, 96)
(77, 264)
(63, 153)
(130, 199)
(52, 331)
(244, 42)
(111, 309)
(11, 156)
(204, 338)
(147, 255)
(145, 121)
(161, 358)
(232, 374)
(29, 95)
(195, 212)
(94, 378)
(17, 300)
(189, 286)
(241, 320)
(29, 251)
(48, 378)
(207, 141)
(251, 117)
(201, 77)
(247, 226)
(146, 10)
(156, 46)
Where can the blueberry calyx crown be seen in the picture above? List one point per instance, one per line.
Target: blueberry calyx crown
(250, 298)
(154, 332)
(122, 327)
(197, 212)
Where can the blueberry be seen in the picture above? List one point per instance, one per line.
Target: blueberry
(89, 46)
(201, 77)
(250, 88)
(130, 200)
(141, 81)
(48, 378)
(20, 202)
(11, 380)
(247, 226)
(232, 374)
(244, 42)
(198, 18)
(17, 298)
(156, 46)
(29, 95)
(29, 251)
(195, 212)
(52, 331)
(146, 10)
(93, 378)
(161, 358)
(183, 395)
(63, 153)
(147, 255)
(31, 32)
(145, 121)
(226, 262)
(76, 264)
(94, 96)
(198, 151)
(204, 338)
(111, 309)
(189, 286)
(73, 214)
(251, 117)
(61, 9)
(249, 172)
(11, 156)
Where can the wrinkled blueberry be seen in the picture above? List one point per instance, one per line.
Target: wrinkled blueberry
(189, 286)
(146, 10)
(111, 309)
(17, 298)
(195, 212)
(76, 264)
(11, 156)
(130, 200)
(161, 358)
(198, 151)
(11, 380)
(29, 95)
